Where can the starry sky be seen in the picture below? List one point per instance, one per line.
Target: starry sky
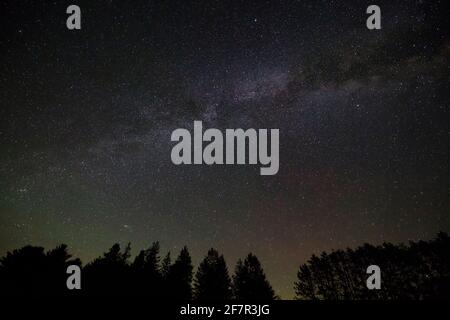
(86, 118)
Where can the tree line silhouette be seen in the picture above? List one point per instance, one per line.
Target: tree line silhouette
(420, 270)
(32, 271)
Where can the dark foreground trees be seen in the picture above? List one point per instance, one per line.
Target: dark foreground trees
(249, 281)
(212, 281)
(179, 277)
(145, 274)
(32, 271)
(108, 274)
(418, 271)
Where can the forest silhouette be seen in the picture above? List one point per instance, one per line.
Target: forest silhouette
(419, 270)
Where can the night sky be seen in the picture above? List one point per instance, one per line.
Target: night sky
(86, 118)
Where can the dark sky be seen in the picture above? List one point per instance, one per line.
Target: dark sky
(86, 118)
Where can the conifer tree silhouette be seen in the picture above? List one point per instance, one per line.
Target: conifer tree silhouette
(212, 281)
(249, 281)
(145, 272)
(179, 280)
(58, 260)
(109, 274)
(165, 266)
(418, 271)
(31, 271)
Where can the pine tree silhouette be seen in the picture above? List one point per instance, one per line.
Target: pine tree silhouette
(145, 272)
(212, 281)
(179, 280)
(418, 271)
(58, 260)
(249, 281)
(165, 266)
(31, 271)
(109, 274)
